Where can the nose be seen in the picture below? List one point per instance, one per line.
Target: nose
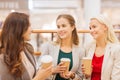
(30, 29)
(60, 28)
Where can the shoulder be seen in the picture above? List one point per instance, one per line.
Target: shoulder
(89, 45)
(79, 49)
(3, 67)
(115, 47)
(4, 72)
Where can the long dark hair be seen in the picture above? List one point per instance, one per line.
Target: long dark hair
(12, 41)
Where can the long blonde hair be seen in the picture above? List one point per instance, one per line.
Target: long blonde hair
(111, 37)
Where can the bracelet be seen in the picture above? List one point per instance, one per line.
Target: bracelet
(72, 76)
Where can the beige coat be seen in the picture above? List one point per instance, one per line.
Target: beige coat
(77, 52)
(4, 72)
(111, 61)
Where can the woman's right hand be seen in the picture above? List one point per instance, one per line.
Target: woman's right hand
(83, 71)
(42, 74)
(59, 68)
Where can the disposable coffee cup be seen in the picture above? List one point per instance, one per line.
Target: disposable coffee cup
(86, 61)
(46, 61)
(66, 62)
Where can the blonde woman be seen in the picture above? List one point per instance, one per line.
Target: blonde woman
(104, 51)
(66, 46)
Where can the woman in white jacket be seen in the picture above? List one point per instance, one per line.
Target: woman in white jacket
(104, 51)
(66, 46)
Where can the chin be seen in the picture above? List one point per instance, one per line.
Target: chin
(62, 37)
(27, 39)
(94, 38)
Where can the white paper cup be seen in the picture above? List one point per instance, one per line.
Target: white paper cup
(86, 61)
(46, 61)
(66, 62)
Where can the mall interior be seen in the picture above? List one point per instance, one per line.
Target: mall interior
(43, 14)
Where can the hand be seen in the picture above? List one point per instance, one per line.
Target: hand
(70, 74)
(42, 74)
(84, 70)
(64, 76)
(59, 68)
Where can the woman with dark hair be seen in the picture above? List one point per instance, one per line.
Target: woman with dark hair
(16, 55)
(66, 46)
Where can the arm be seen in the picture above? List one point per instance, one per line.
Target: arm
(116, 67)
(44, 50)
(79, 74)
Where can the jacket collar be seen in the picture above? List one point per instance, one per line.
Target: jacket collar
(106, 54)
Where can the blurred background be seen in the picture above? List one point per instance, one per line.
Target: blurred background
(43, 14)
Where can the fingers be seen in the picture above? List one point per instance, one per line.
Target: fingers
(59, 69)
(83, 69)
(61, 63)
(44, 73)
(64, 76)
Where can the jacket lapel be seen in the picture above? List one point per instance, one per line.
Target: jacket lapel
(74, 55)
(91, 51)
(56, 51)
(106, 56)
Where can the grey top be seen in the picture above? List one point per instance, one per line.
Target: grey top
(4, 72)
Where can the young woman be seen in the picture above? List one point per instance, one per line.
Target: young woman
(16, 56)
(104, 51)
(66, 46)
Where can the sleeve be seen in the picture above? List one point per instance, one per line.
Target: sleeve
(116, 67)
(79, 74)
(29, 52)
(87, 47)
(44, 49)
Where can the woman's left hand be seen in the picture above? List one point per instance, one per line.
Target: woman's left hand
(67, 76)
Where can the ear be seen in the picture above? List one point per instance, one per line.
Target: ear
(105, 28)
(73, 27)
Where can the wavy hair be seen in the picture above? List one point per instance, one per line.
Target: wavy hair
(12, 41)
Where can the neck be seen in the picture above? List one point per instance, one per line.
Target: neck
(66, 42)
(101, 43)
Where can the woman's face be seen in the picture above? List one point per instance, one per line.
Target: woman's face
(27, 34)
(64, 28)
(97, 29)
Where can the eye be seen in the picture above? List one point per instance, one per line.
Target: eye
(90, 28)
(58, 26)
(94, 26)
